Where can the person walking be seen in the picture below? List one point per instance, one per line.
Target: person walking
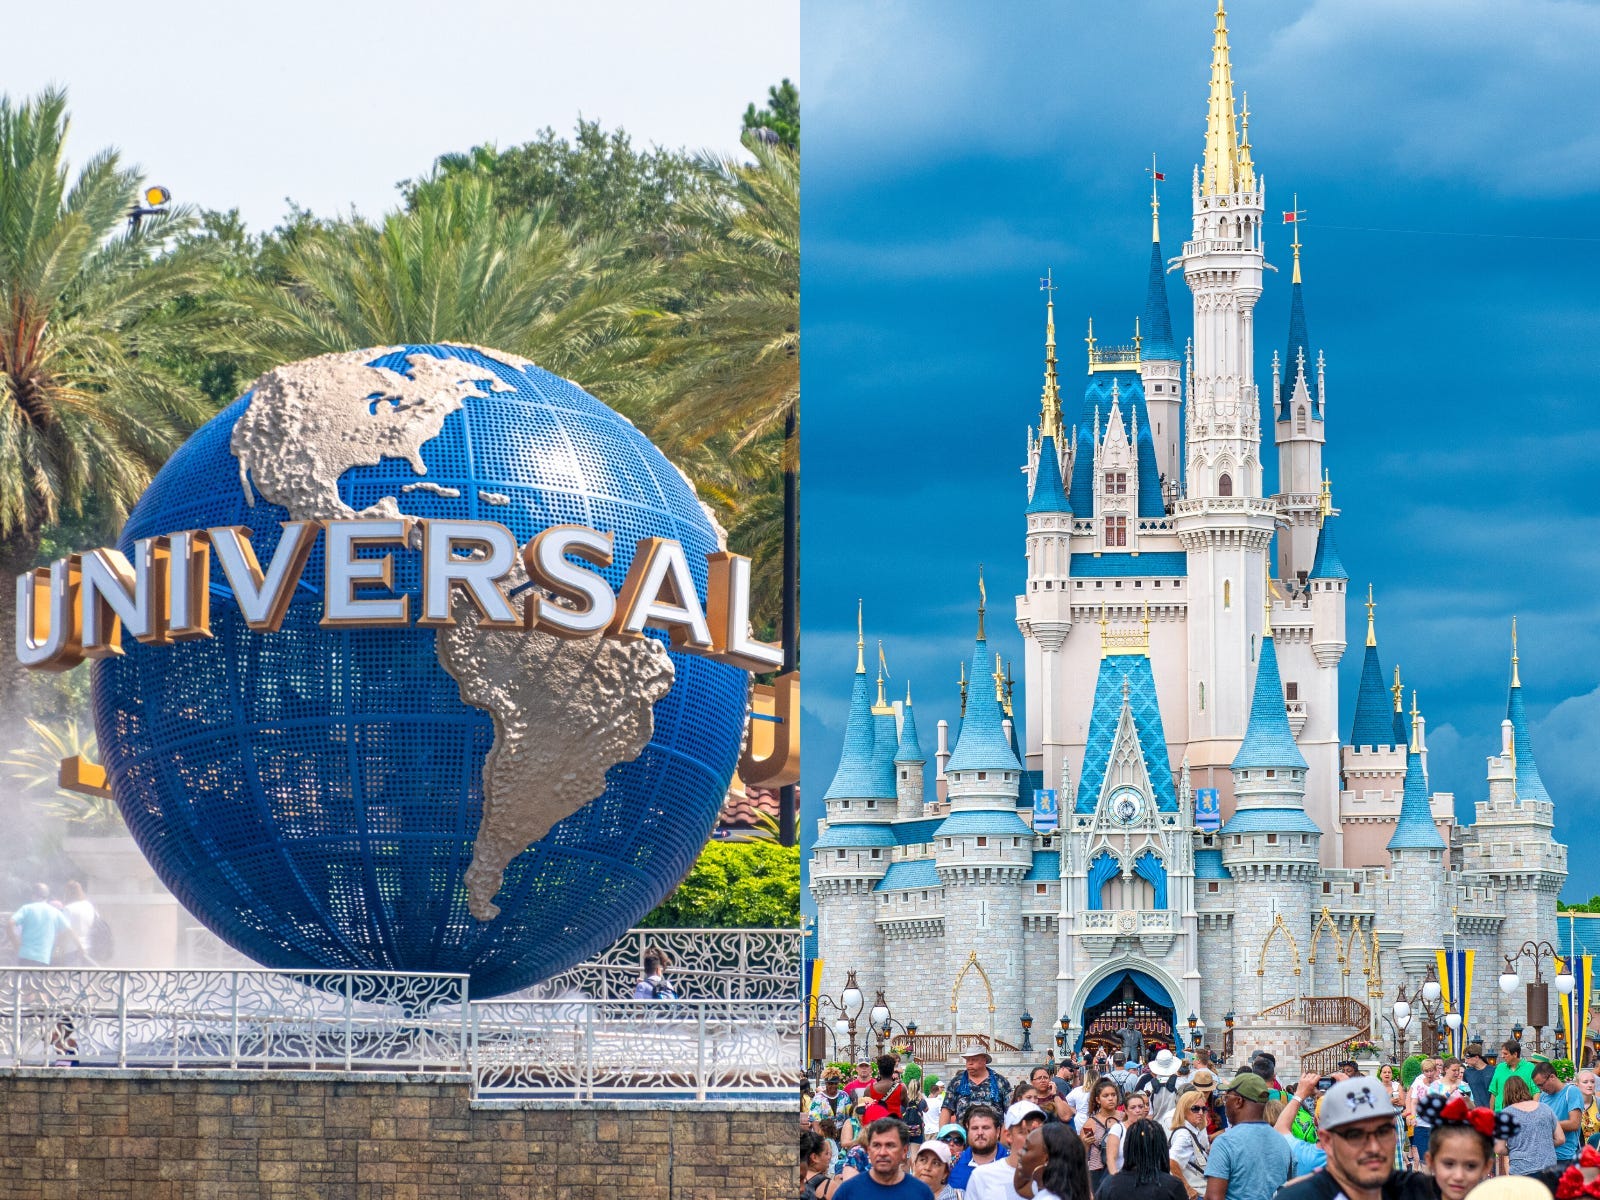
(1591, 1110)
(1101, 1130)
(1052, 1166)
(816, 1162)
(931, 1164)
(886, 1142)
(82, 915)
(1479, 1071)
(42, 931)
(1160, 1083)
(1511, 1064)
(976, 1085)
(1532, 1148)
(983, 1144)
(1250, 1160)
(999, 1180)
(653, 985)
(1357, 1133)
(1566, 1102)
(1188, 1143)
(1421, 1086)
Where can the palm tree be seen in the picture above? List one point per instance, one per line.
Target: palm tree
(87, 314)
(452, 267)
(36, 769)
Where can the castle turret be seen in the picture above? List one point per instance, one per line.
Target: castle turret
(855, 844)
(1373, 765)
(1419, 879)
(885, 744)
(1298, 431)
(1223, 521)
(910, 763)
(983, 849)
(1160, 365)
(1314, 697)
(1372, 725)
(1270, 842)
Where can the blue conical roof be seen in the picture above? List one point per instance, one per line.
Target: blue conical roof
(982, 745)
(1372, 726)
(1268, 740)
(1097, 397)
(1158, 344)
(910, 749)
(1401, 737)
(1415, 829)
(1049, 496)
(1298, 345)
(885, 741)
(1529, 785)
(854, 778)
(1326, 564)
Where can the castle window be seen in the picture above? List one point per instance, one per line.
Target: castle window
(982, 842)
(1116, 483)
(1327, 888)
(1291, 690)
(1047, 584)
(1355, 889)
(1271, 774)
(1227, 593)
(872, 804)
(840, 854)
(844, 804)
(947, 843)
(1015, 843)
(1116, 531)
(903, 772)
(1272, 839)
(1225, 486)
(1300, 420)
(1305, 839)
(983, 774)
(924, 895)
(1212, 886)
(875, 852)
(1039, 889)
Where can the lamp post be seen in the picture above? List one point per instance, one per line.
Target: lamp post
(1193, 1021)
(848, 1006)
(151, 203)
(883, 1023)
(1425, 998)
(1066, 1033)
(1538, 992)
(1027, 1034)
(1199, 1030)
(1227, 1036)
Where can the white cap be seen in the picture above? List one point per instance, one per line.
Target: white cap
(938, 1149)
(1021, 1109)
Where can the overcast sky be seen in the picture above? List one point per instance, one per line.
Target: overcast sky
(1448, 160)
(333, 103)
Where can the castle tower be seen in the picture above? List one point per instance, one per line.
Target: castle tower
(1160, 368)
(1374, 762)
(851, 855)
(1044, 610)
(1298, 430)
(1517, 817)
(983, 849)
(1419, 880)
(910, 764)
(1270, 847)
(885, 745)
(1314, 706)
(1223, 522)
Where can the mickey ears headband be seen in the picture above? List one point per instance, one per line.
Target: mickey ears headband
(1455, 1111)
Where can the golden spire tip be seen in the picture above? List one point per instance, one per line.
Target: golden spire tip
(861, 643)
(1416, 742)
(1398, 690)
(1516, 681)
(1372, 633)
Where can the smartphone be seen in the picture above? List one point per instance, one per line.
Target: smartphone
(1326, 1082)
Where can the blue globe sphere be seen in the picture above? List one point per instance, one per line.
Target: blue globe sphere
(313, 795)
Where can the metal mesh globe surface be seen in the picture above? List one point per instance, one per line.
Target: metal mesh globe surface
(313, 795)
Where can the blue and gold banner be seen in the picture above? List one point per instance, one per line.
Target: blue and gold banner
(1575, 1008)
(1455, 986)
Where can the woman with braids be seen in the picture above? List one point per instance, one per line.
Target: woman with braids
(1052, 1166)
(1146, 1172)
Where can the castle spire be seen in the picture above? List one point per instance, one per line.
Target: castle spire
(1050, 400)
(1372, 725)
(1529, 784)
(857, 776)
(883, 671)
(1155, 201)
(1415, 829)
(910, 749)
(1222, 141)
(1268, 741)
(1372, 631)
(861, 643)
(1401, 737)
(983, 600)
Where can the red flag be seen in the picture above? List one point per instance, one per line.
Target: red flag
(1289, 218)
(1160, 175)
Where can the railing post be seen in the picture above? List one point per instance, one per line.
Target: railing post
(588, 1049)
(470, 1047)
(16, 1018)
(349, 1015)
(122, 1018)
(700, 1051)
(233, 1005)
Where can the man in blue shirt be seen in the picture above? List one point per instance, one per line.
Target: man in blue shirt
(887, 1140)
(37, 926)
(1566, 1101)
(983, 1145)
(1250, 1161)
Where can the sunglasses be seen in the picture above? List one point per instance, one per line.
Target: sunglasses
(1197, 1108)
(1358, 1137)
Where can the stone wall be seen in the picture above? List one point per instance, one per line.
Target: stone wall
(229, 1135)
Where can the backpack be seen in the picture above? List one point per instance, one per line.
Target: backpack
(660, 989)
(102, 942)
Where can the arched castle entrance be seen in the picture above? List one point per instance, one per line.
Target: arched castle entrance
(1129, 989)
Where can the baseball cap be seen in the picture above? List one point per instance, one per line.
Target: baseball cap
(1021, 1111)
(951, 1130)
(1358, 1099)
(1249, 1085)
(936, 1148)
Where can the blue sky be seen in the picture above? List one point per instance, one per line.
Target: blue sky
(1447, 158)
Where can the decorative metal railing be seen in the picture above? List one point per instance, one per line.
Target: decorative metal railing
(313, 1020)
(1344, 1011)
(705, 964)
(666, 1049)
(940, 1047)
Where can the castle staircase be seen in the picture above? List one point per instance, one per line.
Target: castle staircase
(1306, 1033)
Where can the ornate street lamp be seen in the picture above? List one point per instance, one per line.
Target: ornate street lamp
(1199, 1030)
(1538, 992)
(848, 1007)
(1027, 1026)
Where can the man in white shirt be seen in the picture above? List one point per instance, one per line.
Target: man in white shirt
(996, 1180)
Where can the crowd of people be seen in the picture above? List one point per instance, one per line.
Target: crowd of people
(1127, 1125)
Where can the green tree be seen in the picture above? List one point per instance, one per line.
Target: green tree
(456, 267)
(87, 411)
(780, 118)
(735, 885)
(597, 180)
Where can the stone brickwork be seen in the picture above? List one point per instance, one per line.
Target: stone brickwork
(66, 1134)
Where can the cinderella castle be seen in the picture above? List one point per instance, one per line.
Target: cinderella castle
(1181, 826)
